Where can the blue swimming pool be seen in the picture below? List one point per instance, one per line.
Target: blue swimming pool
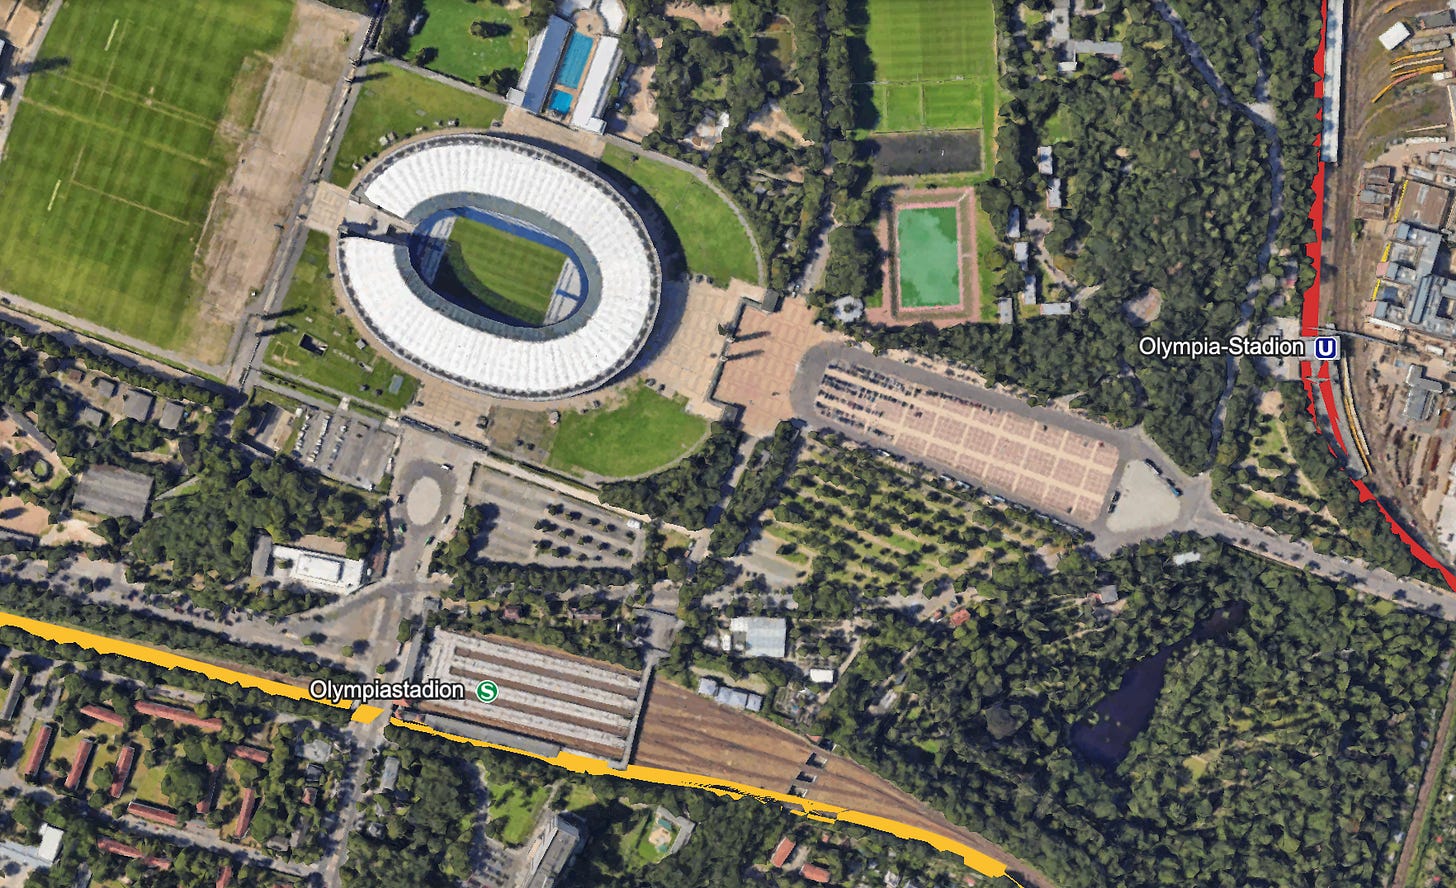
(573, 62)
(561, 101)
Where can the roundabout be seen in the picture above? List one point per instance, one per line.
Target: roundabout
(501, 267)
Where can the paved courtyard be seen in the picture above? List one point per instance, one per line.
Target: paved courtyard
(763, 360)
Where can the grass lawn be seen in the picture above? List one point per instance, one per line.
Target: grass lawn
(504, 271)
(395, 100)
(116, 153)
(460, 53)
(952, 56)
(309, 310)
(580, 796)
(985, 258)
(928, 256)
(713, 240)
(643, 434)
(519, 808)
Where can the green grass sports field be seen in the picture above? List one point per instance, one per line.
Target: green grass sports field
(506, 272)
(116, 152)
(308, 310)
(460, 53)
(713, 240)
(396, 100)
(642, 434)
(928, 256)
(932, 63)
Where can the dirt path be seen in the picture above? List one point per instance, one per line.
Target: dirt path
(1423, 796)
(277, 135)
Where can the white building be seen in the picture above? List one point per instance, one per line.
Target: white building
(760, 636)
(1395, 35)
(317, 570)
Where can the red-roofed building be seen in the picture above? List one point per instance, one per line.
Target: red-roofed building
(39, 751)
(245, 816)
(226, 876)
(121, 849)
(781, 852)
(153, 813)
(78, 767)
(124, 762)
(815, 873)
(252, 754)
(959, 618)
(102, 714)
(179, 715)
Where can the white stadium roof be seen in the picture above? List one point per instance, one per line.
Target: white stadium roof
(543, 190)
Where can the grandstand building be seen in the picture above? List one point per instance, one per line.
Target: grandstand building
(523, 189)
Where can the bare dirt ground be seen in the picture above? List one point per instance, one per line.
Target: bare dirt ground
(710, 18)
(17, 24)
(644, 106)
(244, 224)
(22, 517)
(686, 732)
(771, 122)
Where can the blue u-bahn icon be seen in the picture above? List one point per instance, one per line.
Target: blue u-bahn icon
(1327, 348)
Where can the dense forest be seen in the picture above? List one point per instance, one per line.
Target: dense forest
(1285, 741)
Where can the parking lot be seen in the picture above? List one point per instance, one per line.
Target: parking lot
(519, 517)
(345, 448)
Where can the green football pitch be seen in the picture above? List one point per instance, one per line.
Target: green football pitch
(504, 271)
(933, 69)
(117, 149)
(928, 253)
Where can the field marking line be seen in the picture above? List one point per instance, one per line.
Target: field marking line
(114, 25)
(133, 204)
(577, 764)
(54, 191)
(121, 133)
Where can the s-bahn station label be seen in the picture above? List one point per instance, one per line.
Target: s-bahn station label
(1314, 348)
(336, 692)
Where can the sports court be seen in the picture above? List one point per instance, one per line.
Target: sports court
(930, 270)
(933, 68)
(929, 264)
(128, 126)
(503, 270)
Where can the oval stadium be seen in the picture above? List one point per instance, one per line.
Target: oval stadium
(501, 267)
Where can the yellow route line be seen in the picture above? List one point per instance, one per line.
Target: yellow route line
(816, 810)
(578, 764)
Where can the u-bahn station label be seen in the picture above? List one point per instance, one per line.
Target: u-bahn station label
(336, 692)
(1314, 348)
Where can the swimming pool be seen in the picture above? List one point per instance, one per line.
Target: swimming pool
(561, 101)
(573, 62)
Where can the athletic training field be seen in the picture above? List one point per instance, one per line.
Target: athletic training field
(929, 257)
(505, 272)
(931, 273)
(123, 135)
(934, 64)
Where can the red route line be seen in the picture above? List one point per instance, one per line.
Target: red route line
(1309, 318)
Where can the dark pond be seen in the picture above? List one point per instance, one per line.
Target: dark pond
(1126, 712)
